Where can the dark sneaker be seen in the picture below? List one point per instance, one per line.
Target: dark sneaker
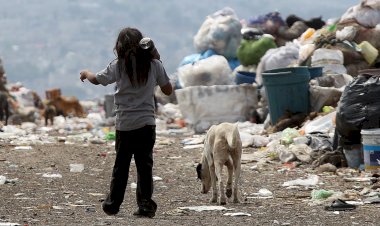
(108, 210)
(144, 213)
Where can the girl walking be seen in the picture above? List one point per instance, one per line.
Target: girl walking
(136, 71)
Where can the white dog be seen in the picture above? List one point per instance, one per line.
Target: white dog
(222, 147)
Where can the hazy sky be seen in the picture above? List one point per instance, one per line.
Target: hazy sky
(168, 15)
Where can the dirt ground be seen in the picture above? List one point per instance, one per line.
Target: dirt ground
(30, 198)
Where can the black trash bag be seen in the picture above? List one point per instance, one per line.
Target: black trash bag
(359, 107)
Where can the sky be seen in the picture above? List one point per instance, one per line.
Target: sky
(159, 19)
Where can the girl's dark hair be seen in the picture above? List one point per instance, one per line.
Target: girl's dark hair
(131, 58)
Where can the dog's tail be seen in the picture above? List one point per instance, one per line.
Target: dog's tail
(233, 139)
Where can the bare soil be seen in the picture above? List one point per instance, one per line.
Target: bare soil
(29, 198)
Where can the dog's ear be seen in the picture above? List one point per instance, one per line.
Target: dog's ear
(199, 171)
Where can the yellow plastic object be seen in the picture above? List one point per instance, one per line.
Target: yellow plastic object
(307, 34)
(369, 52)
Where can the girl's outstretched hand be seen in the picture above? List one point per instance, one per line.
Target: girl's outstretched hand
(90, 76)
(83, 75)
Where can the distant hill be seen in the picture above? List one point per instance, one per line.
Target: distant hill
(44, 44)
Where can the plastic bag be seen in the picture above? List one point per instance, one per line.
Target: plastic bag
(288, 134)
(367, 13)
(220, 32)
(110, 136)
(213, 70)
(347, 33)
(322, 124)
(359, 107)
(203, 106)
(250, 51)
(305, 51)
(277, 58)
(312, 180)
(330, 59)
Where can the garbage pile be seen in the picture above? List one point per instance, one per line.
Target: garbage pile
(303, 91)
(293, 74)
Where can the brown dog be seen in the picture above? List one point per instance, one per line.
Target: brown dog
(222, 147)
(68, 106)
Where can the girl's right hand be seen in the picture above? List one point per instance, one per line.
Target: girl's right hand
(83, 75)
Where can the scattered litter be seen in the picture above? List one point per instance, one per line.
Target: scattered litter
(58, 207)
(357, 179)
(321, 194)
(340, 205)
(78, 205)
(174, 157)
(238, 214)
(52, 175)
(356, 203)
(110, 136)
(195, 146)
(164, 141)
(23, 148)
(312, 180)
(97, 141)
(204, 208)
(372, 200)
(327, 167)
(61, 139)
(263, 194)
(11, 181)
(2, 179)
(9, 224)
(96, 194)
(133, 185)
(90, 209)
(156, 178)
(76, 168)
(192, 141)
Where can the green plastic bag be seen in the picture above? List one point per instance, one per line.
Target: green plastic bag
(110, 136)
(287, 135)
(321, 194)
(250, 51)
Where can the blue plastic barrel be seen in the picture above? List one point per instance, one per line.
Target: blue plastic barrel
(245, 77)
(287, 89)
(301, 70)
(315, 72)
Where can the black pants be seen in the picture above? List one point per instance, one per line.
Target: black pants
(139, 144)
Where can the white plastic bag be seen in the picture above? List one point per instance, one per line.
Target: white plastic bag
(330, 59)
(220, 32)
(347, 33)
(367, 13)
(277, 58)
(305, 51)
(312, 180)
(213, 70)
(322, 124)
